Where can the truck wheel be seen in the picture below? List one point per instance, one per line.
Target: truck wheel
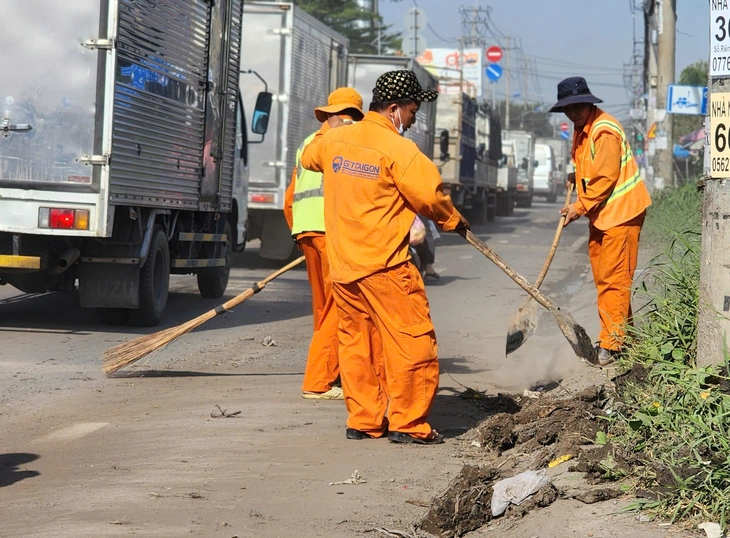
(552, 197)
(479, 210)
(212, 283)
(528, 202)
(154, 283)
(112, 316)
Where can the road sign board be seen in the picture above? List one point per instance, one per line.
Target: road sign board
(494, 72)
(564, 135)
(414, 19)
(687, 100)
(719, 144)
(414, 45)
(719, 39)
(564, 126)
(494, 54)
(652, 131)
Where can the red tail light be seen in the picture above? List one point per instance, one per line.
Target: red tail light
(62, 218)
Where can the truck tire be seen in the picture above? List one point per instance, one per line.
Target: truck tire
(112, 316)
(154, 283)
(480, 212)
(212, 283)
(552, 197)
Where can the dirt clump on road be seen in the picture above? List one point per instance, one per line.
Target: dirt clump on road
(523, 433)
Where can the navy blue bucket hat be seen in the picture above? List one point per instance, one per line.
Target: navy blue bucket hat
(572, 91)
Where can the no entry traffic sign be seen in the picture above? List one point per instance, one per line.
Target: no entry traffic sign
(494, 54)
(564, 126)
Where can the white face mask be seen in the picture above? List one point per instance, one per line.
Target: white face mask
(402, 128)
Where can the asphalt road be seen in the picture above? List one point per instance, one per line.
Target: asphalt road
(50, 347)
(146, 453)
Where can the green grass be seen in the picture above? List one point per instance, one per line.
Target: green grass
(673, 426)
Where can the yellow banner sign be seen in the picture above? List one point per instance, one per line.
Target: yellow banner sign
(719, 143)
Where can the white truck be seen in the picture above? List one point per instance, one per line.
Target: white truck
(122, 149)
(507, 179)
(562, 165)
(300, 60)
(456, 125)
(525, 161)
(488, 155)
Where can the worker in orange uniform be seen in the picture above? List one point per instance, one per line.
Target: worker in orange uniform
(304, 211)
(613, 196)
(375, 181)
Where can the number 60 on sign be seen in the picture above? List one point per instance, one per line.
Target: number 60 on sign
(720, 135)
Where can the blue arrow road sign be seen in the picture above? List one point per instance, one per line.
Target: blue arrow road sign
(494, 72)
(564, 135)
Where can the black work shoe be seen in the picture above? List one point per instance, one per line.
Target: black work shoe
(407, 438)
(356, 435)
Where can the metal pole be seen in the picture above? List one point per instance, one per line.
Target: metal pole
(506, 80)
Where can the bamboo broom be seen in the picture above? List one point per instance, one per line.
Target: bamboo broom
(124, 354)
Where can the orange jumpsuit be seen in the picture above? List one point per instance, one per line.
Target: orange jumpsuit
(322, 368)
(613, 196)
(375, 181)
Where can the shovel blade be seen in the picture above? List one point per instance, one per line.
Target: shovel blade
(522, 326)
(576, 336)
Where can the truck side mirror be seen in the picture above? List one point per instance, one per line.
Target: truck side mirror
(444, 145)
(261, 113)
(535, 163)
(524, 163)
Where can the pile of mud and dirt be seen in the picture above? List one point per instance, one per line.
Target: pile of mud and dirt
(525, 433)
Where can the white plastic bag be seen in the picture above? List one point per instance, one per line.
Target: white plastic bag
(516, 489)
(434, 230)
(418, 232)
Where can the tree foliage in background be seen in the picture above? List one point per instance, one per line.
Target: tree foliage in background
(692, 75)
(359, 25)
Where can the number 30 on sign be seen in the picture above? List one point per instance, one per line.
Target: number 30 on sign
(720, 135)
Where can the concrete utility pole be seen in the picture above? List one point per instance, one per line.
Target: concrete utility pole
(666, 66)
(662, 51)
(714, 296)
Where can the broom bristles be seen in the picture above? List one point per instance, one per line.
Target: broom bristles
(129, 352)
(125, 354)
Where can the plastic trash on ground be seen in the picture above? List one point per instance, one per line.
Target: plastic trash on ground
(712, 530)
(516, 489)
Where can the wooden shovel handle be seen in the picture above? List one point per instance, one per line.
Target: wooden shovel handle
(514, 275)
(556, 239)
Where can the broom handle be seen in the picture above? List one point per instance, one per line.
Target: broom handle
(238, 299)
(556, 240)
(514, 275)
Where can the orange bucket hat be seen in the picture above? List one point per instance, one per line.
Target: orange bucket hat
(339, 100)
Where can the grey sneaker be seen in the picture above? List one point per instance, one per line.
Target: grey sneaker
(604, 357)
(335, 393)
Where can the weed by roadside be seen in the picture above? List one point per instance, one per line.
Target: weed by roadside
(672, 424)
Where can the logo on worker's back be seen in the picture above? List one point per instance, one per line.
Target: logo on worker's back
(355, 169)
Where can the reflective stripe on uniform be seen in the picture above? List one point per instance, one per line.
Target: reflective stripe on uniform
(625, 187)
(311, 193)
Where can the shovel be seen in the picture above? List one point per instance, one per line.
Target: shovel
(525, 321)
(574, 333)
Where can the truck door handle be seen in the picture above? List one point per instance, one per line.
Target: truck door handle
(6, 127)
